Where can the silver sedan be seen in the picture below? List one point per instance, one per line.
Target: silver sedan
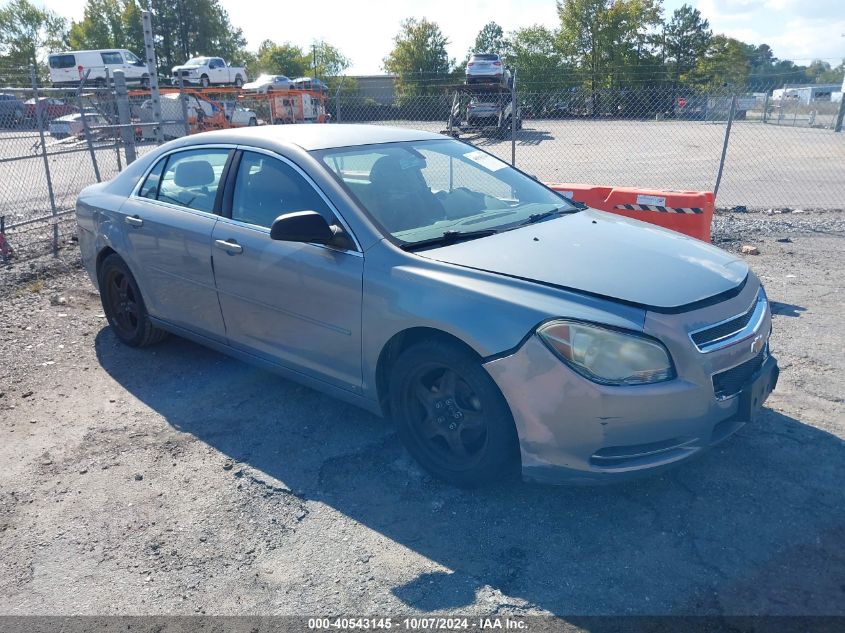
(501, 328)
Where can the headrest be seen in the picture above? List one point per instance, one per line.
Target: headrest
(193, 173)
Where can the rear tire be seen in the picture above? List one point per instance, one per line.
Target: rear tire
(451, 416)
(239, 82)
(252, 122)
(124, 306)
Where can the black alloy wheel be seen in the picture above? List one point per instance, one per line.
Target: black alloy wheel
(124, 306)
(451, 415)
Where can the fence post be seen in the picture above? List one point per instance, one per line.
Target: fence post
(39, 115)
(152, 69)
(841, 115)
(85, 128)
(337, 97)
(183, 99)
(123, 116)
(513, 117)
(766, 106)
(112, 115)
(725, 146)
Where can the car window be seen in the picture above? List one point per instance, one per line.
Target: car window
(112, 58)
(266, 188)
(132, 58)
(62, 61)
(150, 187)
(191, 178)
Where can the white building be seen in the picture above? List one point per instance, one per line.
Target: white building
(806, 93)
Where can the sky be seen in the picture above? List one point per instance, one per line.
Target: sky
(800, 30)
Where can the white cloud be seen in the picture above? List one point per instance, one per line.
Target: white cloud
(800, 30)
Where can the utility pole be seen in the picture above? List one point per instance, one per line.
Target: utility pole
(314, 58)
(152, 69)
(841, 114)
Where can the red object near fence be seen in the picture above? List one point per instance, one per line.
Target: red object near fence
(687, 212)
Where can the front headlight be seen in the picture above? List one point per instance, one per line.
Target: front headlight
(606, 356)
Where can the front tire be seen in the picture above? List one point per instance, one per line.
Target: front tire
(204, 82)
(124, 306)
(451, 416)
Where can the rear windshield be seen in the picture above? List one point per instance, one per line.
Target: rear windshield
(486, 57)
(62, 61)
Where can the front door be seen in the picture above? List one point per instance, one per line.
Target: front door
(292, 303)
(169, 228)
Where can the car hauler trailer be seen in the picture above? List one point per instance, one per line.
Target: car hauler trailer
(482, 109)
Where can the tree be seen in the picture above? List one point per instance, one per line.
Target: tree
(490, 39)
(419, 54)
(534, 52)
(185, 28)
(108, 24)
(330, 62)
(725, 63)
(686, 39)
(821, 72)
(281, 59)
(605, 37)
(26, 32)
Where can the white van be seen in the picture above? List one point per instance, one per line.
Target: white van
(69, 67)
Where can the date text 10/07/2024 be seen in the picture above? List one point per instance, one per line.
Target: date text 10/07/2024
(419, 624)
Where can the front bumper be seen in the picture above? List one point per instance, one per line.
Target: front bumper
(572, 430)
(186, 80)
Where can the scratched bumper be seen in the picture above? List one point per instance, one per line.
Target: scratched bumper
(572, 430)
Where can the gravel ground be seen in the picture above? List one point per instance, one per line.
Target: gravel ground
(174, 480)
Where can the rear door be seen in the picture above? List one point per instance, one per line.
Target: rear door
(291, 303)
(63, 68)
(169, 224)
(217, 71)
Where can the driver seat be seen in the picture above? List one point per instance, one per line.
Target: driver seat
(400, 198)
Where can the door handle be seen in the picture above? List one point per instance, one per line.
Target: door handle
(133, 220)
(233, 248)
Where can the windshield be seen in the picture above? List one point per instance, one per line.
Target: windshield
(196, 61)
(420, 190)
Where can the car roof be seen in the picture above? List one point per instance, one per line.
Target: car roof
(315, 136)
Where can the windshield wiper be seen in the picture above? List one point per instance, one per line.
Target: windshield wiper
(449, 237)
(539, 217)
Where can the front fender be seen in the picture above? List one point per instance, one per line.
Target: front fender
(491, 313)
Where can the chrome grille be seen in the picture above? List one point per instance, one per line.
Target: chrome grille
(731, 330)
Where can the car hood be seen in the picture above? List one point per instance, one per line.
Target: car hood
(607, 255)
(176, 68)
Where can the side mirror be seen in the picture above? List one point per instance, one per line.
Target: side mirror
(302, 226)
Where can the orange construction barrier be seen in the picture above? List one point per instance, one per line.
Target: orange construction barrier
(688, 212)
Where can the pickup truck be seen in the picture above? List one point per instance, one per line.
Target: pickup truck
(208, 71)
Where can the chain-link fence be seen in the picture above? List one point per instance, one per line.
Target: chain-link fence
(756, 150)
